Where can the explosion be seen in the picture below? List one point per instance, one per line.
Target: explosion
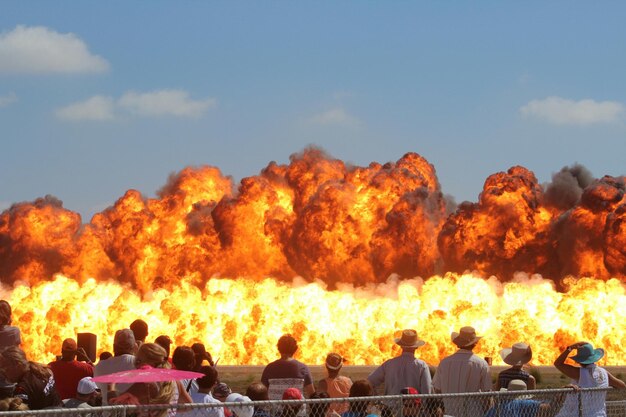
(205, 262)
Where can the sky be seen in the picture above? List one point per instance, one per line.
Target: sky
(100, 97)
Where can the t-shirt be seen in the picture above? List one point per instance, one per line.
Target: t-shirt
(515, 408)
(37, 393)
(10, 336)
(67, 374)
(286, 368)
(75, 403)
(109, 366)
(202, 398)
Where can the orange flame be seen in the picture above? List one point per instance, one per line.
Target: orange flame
(345, 230)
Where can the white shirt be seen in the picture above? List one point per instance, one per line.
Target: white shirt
(110, 366)
(401, 372)
(202, 398)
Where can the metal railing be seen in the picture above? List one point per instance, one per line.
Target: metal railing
(591, 402)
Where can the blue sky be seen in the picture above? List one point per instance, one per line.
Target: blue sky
(100, 97)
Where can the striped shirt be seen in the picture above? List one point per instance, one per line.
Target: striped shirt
(462, 372)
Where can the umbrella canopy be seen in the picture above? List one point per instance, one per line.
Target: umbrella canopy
(147, 374)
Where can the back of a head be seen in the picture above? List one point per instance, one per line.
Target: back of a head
(165, 342)
(287, 345)
(361, 388)
(124, 342)
(5, 313)
(151, 354)
(140, 329)
(517, 385)
(209, 379)
(183, 358)
(257, 392)
(13, 357)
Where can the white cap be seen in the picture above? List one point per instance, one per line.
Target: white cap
(86, 386)
(240, 410)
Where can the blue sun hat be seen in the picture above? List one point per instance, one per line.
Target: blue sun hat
(586, 354)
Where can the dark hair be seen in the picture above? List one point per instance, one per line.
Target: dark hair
(105, 355)
(140, 329)
(360, 388)
(210, 377)
(201, 354)
(183, 358)
(287, 345)
(5, 313)
(164, 341)
(319, 409)
(257, 392)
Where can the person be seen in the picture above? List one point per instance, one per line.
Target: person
(124, 348)
(140, 331)
(404, 370)
(411, 406)
(321, 409)
(104, 356)
(463, 371)
(165, 342)
(258, 392)
(68, 370)
(287, 366)
(183, 359)
(201, 355)
(151, 355)
(337, 386)
(291, 410)
(9, 335)
(240, 410)
(87, 395)
(34, 382)
(360, 388)
(513, 406)
(587, 375)
(221, 391)
(517, 356)
(203, 395)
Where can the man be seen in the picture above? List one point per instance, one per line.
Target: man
(258, 392)
(87, 395)
(404, 370)
(203, 396)
(287, 366)
(124, 348)
(524, 405)
(140, 331)
(463, 371)
(67, 370)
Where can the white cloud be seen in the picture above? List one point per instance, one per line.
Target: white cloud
(335, 116)
(561, 111)
(38, 49)
(7, 100)
(96, 108)
(165, 102)
(157, 103)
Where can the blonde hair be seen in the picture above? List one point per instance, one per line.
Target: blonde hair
(15, 357)
(12, 404)
(154, 355)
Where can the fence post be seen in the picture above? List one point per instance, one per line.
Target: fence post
(580, 403)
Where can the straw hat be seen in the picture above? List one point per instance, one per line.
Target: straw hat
(518, 354)
(409, 339)
(465, 337)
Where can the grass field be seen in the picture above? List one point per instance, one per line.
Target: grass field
(239, 377)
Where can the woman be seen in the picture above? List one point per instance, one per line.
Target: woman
(337, 386)
(9, 335)
(587, 375)
(360, 388)
(517, 356)
(170, 392)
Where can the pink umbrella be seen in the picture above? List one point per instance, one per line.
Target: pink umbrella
(147, 374)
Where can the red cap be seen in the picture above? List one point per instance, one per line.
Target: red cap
(411, 391)
(292, 394)
(69, 345)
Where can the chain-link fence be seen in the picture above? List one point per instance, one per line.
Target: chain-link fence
(592, 402)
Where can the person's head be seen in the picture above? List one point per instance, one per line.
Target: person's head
(183, 358)
(221, 391)
(292, 394)
(517, 385)
(319, 409)
(140, 330)
(333, 363)
(151, 354)
(586, 354)
(240, 410)
(257, 392)
(201, 354)
(69, 348)
(208, 381)
(466, 338)
(165, 342)
(5, 313)
(517, 355)
(360, 388)
(88, 391)
(105, 355)
(410, 406)
(409, 341)
(13, 363)
(287, 345)
(124, 342)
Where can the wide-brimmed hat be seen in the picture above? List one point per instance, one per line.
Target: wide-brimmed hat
(586, 354)
(465, 337)
(334, 361)
(518, 354)
(409, 339)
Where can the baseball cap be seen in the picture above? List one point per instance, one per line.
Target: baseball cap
(86, 386)
(124, 339)
(69, 345)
